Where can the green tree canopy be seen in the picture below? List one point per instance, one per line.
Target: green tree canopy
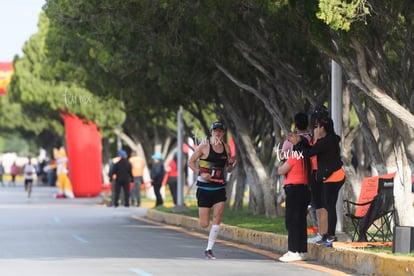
(40, 94)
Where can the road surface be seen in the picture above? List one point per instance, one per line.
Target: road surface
(47, 236)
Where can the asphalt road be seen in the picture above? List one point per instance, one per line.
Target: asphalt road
(47, 236)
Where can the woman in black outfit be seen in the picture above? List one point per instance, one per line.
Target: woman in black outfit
(330, 170)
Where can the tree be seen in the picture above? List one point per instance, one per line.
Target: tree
(231, 36)
(38, 96)
(157, 55)
(375, 54)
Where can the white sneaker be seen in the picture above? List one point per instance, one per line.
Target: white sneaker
(315, 238)
(292, 256)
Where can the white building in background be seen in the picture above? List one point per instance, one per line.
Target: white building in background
(10, 157)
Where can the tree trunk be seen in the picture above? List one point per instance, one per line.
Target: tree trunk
(261, 199)
(239, 177)
(402, 187)
(389, 136)
(138, 148)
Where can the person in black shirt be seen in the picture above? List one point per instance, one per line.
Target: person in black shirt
(157, 177)
(123, 173)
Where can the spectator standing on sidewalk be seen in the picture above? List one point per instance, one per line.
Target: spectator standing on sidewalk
(157, 176)
(14, 171)
(330, 171)
(214, 158)
(138, 164)
(123, 172)
(112, 177)
(1, 173)
(172, 177)
(315, 183)
(50, 170)
(296, 169)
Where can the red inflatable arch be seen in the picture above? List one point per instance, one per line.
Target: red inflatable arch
(84, 150)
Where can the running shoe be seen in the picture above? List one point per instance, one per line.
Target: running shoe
(315, 238)
(209, 255)
(327, 241)
(292, 257)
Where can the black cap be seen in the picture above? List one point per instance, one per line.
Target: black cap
(219, 125)
(321, 111)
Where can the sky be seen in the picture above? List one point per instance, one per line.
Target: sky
(18, 21)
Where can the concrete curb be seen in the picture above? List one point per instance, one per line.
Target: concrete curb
(357, 261)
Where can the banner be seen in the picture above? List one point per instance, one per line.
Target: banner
(6, 72)
(84, 149)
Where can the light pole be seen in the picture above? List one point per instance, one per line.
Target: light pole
(336, 107)
(180, 207)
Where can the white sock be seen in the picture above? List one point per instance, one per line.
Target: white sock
(213, 236)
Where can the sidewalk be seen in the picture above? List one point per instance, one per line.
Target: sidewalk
(357, 261)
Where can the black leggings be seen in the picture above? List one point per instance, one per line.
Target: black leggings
(172, 183)
(330, 193)
(157, 191)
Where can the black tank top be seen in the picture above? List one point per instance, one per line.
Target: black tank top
(214, 164)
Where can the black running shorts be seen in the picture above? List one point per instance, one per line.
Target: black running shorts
(207, 198)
